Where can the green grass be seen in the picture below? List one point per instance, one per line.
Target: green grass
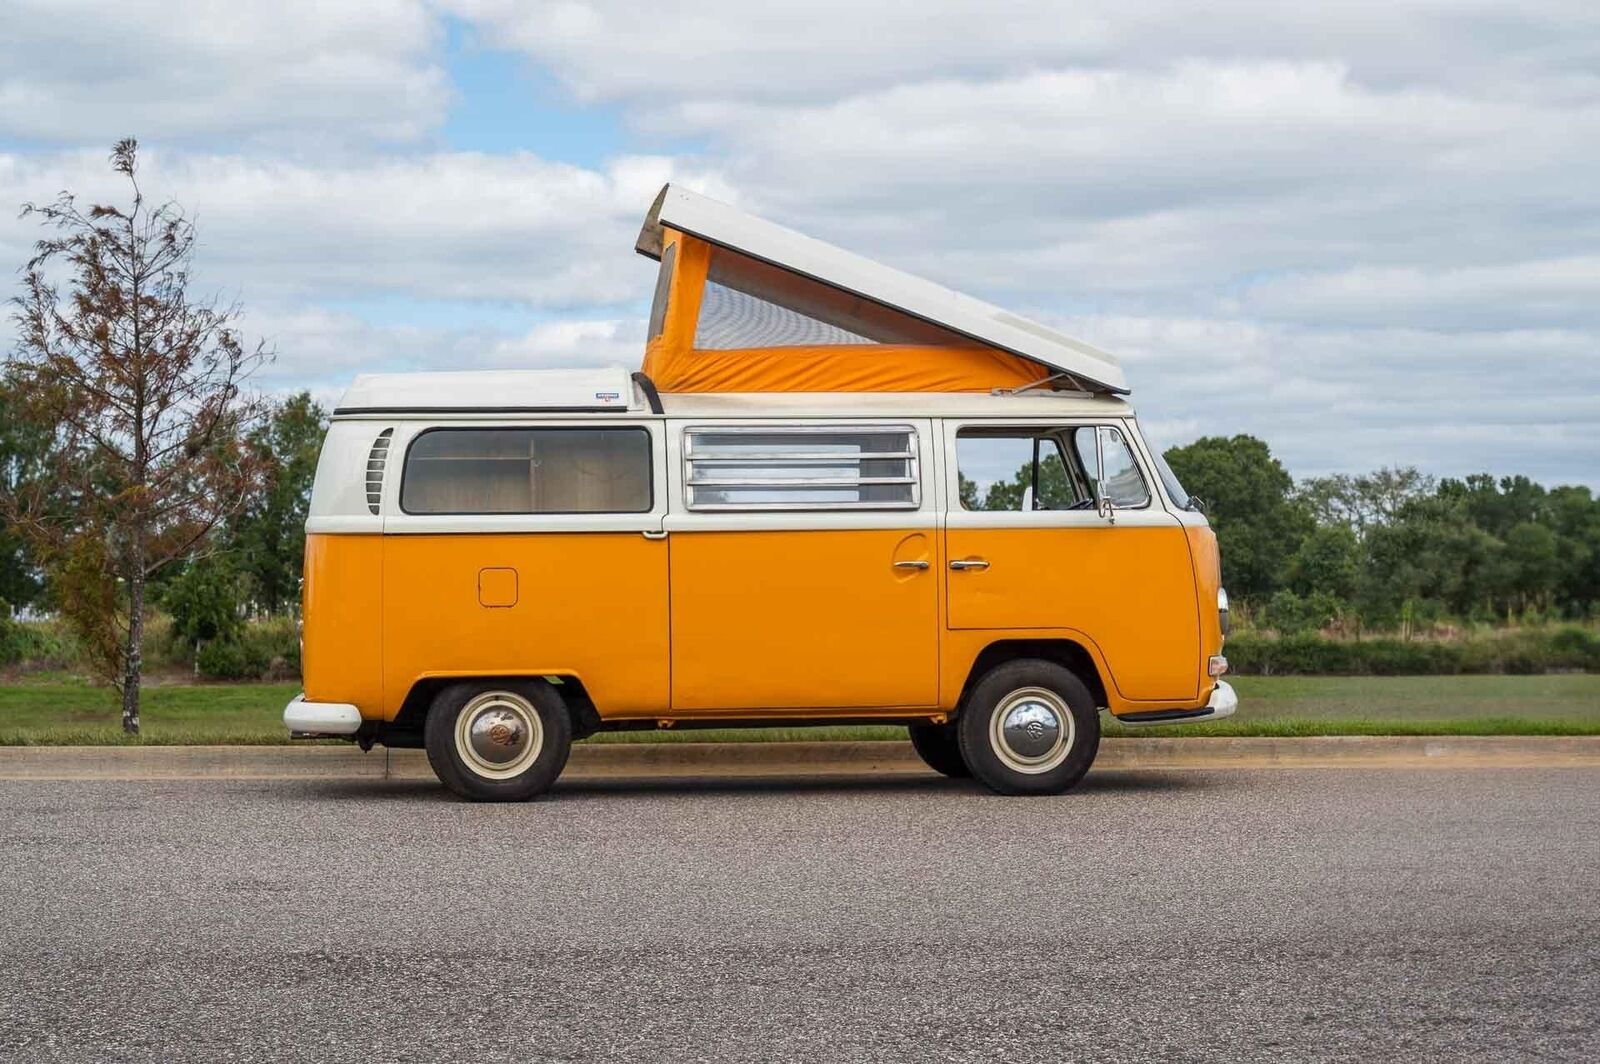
(59, 710)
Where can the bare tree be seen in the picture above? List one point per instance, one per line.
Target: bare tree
(142, 389)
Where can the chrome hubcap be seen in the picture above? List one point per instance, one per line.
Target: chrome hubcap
(499, 734)
(1032, 730)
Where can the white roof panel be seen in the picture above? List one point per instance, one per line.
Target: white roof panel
(716, 222)
(510, 391)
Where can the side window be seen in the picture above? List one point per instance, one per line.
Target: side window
(1124, 484)
(1015, 469)
(527, 471)
(855, 467)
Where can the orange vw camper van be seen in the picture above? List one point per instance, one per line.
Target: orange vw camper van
(833, 493)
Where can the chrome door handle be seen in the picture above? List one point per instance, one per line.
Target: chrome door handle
(969, 563)
(911, 565)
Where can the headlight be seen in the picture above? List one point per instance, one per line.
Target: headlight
(1222, 609)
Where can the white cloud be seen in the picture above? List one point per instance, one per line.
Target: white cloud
(321, 350)
(728, 49)
(290, 72)
(451, 226)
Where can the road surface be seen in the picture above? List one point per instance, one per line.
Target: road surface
(1186, 915)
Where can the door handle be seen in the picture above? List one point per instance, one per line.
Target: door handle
(919, 564)
(969, 563)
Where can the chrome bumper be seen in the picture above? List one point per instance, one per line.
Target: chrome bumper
(305, 719)
(1222, 703)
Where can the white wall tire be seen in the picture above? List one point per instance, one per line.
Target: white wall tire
(499, 742)
(1029, 727)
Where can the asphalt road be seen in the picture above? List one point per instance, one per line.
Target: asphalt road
(1272, 915)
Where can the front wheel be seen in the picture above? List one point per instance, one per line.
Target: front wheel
(501, 742)
(1029, 727)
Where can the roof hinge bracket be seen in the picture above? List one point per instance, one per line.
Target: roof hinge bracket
(1077, 391)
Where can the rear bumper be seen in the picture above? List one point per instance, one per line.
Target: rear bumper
(304, 718)
(1222, 703)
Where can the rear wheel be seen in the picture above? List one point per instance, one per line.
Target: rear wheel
(940, 747)
(500, 742)
(1029, 727)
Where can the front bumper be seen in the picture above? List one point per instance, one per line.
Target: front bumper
(307, 719)
(1222, 703)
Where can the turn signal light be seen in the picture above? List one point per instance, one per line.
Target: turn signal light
(1217, 665)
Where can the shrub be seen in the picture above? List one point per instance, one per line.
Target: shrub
(230, 659)
(37, 644)
(1575, 648)
(1293, 614)
(1525, 652)
(261, 650)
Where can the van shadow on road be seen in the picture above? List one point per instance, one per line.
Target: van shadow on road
(896, 784)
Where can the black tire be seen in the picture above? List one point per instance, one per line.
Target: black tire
(940, 748)
(1030, 692)
(500, 712)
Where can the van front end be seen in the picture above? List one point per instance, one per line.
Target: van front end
(1220, 699)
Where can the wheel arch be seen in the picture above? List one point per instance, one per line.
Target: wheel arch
(406, 729)
(1067, 653)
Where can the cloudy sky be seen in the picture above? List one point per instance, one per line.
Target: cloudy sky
(1368, 232)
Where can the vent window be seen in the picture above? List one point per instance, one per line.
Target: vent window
(844, 467)
(377, 458)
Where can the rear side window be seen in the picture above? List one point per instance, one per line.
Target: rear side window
(845, 467)
(527, 471)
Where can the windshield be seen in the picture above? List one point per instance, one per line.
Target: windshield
(1169, 480)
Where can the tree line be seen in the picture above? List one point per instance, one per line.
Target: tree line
(1395, 549)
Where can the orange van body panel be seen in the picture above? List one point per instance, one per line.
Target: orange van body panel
(817, 619)
(784, 623)
(1207, 583)
(1132, 589)
(586, 604)
(342, 608)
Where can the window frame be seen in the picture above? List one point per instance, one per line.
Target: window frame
(1133, 453)
(650, 467)
(1156, 512)
(1053, 433)
(911, 456)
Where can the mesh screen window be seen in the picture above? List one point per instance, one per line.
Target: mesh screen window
(747, 304)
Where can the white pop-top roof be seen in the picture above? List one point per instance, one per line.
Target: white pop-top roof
(488, 391)
(497, 396)
(716, 222)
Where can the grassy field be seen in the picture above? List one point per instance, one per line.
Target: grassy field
(58, 710)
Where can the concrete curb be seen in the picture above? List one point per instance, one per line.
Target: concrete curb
(620, 760)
